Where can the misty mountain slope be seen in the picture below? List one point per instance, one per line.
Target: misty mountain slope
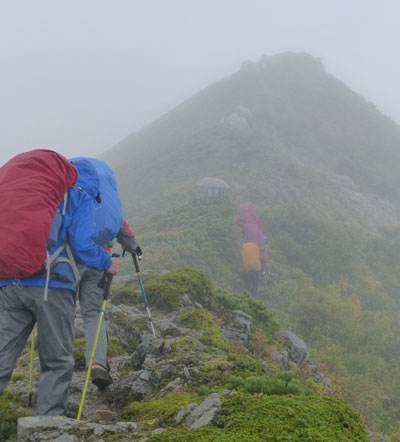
(281, 131)
(320, 165)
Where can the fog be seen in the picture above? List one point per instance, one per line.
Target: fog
(79, 76)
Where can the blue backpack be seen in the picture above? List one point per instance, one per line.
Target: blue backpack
(108, 213)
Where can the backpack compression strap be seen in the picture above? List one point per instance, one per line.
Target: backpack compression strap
(55, 258)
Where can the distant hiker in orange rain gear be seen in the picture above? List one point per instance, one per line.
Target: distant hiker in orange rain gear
(252, 267)
(253, 246)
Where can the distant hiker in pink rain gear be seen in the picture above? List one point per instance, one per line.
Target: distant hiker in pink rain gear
(250, 225)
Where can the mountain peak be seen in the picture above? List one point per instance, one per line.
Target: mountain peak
(285, 61)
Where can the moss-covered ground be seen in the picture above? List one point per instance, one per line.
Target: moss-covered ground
(251, 418)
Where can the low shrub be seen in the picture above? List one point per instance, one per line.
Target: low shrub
(10, 411)
(256, 309)
(249, 418)
(158, 412)
(166, 290)
(204, 321)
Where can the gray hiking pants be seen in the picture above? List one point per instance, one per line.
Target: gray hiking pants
(90, 300)
(20, 308)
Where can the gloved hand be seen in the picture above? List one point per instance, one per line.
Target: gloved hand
(128, 242)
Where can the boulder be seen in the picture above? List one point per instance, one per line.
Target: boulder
(238, 328)
(297, 349)
(197, 416)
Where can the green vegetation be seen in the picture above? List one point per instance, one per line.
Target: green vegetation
(330, 158)
(79, 354)
(280, 384)
(337, 288)
(114, 349)
(159, 412)
(123, 295)
(334, 285)
(166, 290)
(276, 418)
(198, 234)
(204, 321)
(18, 376)
(261, 316)
(9, 414)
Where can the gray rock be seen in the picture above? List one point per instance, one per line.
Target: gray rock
(226, 393)
(320, 378)
(66, 438)
(238, 328)
(145, 375)
(57, 428)
(376, 437)
(282, 358)
(197, 416)
(236, 121)
(127, 426)
(126, 323)
(98, 429)
(184, 412)
(297, 349)
(171, 386)
(186, 372)
(149, 364)
(148, 348)
(29, 427)
(164, 371)
(186, 301)
(140, 389)
(165, 327)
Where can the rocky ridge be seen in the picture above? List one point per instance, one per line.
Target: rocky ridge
(203, 355)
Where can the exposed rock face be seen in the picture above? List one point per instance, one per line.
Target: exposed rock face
(238, 119)
(282, 358)
(238, 328)
(197, 416)
(297, 349)
(56, 428)
(297, 353)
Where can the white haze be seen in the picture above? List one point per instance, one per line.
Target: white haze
(78, 76)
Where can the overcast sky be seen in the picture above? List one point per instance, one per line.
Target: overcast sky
(78, 76)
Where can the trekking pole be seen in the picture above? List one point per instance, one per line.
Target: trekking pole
(135, 262)
(31, 367)
(105, 282)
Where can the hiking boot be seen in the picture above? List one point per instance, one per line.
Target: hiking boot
(100, 377)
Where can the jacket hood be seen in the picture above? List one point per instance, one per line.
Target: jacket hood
(247, 214)
(88, 178)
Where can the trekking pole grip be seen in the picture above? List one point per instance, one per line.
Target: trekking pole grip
(109, 277)
(135, 262)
